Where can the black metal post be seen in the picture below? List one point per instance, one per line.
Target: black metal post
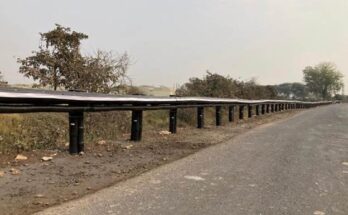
(241, 112)
(263, 111)
(272, 108)
(231, 113)
(267, 108)
(80, 140)
(172, 120)
(257, 110)
(137, 121)
(218, 115)
(200, 117)
(76, 142)
(250, 111)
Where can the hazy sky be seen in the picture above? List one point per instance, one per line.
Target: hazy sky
(172, 40)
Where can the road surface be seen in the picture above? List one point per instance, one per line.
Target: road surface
(294, 166)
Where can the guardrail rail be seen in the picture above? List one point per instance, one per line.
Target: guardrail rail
(15, 100)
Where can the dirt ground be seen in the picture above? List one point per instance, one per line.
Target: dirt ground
(31, 185)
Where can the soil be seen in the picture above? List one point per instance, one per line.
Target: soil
(34, 185)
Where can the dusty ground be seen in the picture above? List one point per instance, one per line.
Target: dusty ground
(34, 185)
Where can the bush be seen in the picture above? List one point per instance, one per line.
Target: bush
(32, 131)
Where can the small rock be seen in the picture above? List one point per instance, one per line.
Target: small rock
(81, 153)
(36, 203)
(127, 146)
(39, 196)
(87, 162)
(89, 188)
(100, 155)
(101, 142)
(14, 171)
(318, 213)
(164, 132)
(116, 171)
(20, 157)
(2, 173)
(74, 193)
(345, 163)
(46, 158)
(193, 177)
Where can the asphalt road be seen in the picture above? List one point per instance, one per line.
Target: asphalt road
(294, 166)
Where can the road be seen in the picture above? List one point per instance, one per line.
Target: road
(294, 166)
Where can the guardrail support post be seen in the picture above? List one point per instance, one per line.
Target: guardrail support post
(76, 143)
(218, 115)
(231, 113)
(272, 108)
(241, 112)
(250, 111)
(267, 108)
(137, 125)
(257, 110)
(263, 111)
(172, 120)
(200, 117)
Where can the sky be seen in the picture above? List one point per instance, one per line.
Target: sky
(170, 41)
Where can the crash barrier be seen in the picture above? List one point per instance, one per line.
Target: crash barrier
(14, 100)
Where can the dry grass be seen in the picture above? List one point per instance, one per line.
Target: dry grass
(20, 132)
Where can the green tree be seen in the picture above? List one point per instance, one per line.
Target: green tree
(215, 85)
(57, 59)
(59, 64)
(323, 80)
(292, 91)
(212, 85)
(102, 73)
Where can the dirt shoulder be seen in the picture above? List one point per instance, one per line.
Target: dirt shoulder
(32, 185)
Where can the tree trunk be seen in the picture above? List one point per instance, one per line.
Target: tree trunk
(55, 78)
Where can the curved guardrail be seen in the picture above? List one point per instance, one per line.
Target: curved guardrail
(16, 100)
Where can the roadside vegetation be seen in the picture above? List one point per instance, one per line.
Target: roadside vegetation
(59, 65)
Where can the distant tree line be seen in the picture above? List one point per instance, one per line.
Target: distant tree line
(322, 81)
